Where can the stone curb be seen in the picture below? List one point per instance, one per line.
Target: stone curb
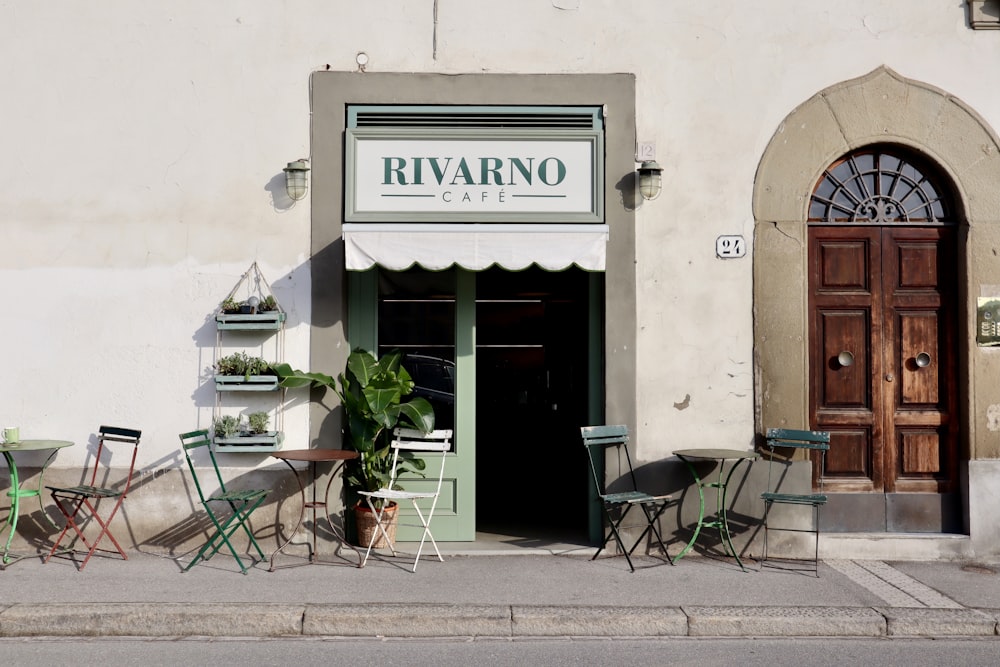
(554, 621)
(920, 622)
(406, 620)
(470, 620)
(133, 619)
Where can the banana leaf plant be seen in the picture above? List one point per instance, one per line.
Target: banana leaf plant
(371, 392)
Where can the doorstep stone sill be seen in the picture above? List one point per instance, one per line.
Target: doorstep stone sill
(895, 546)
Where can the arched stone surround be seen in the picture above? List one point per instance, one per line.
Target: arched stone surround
(880, 107)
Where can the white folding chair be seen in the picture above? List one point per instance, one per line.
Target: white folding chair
(408, 440)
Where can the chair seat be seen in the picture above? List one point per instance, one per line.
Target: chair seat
(238, 496)
(393, 494)
(84, 490)
(632, 497)
(793, 498)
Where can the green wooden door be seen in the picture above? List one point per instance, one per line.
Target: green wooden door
(430, 317)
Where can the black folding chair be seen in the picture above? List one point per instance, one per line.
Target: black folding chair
(79, 504)
(597, 440)
(241, 504)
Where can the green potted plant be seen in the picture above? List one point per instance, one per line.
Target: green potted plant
(371, 392)
(257, 422)
(226, 426)
(241, 372)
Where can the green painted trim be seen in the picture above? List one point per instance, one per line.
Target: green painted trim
(465, 400)
(596, 113)
(595, 393)
(362, 309)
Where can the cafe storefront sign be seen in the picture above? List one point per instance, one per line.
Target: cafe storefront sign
(427, 175)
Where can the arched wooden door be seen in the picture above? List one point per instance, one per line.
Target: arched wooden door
(883, 343)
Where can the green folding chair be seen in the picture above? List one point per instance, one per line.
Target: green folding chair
(241, 504)
(598, 440)
(816, 443)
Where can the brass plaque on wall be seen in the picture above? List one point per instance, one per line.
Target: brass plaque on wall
(988, 321)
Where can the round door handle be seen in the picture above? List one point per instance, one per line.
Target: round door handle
(845, 359)
(889, 377)
(923, 360)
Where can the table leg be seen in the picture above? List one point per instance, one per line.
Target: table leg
(342, 536)
(701, 509)
(723, 510)
(722, 521)
(302, 514)
(15, 495)
(313, 505)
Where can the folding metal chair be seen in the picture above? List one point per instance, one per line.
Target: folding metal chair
(79, 504)
(408, 440)
(241, 503)
(811, 441)
(597, 440)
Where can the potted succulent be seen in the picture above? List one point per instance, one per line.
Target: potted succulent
(371, 392)
(241, 372)
(236, 434)
(226, 426)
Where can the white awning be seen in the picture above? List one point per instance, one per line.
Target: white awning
(398, 246)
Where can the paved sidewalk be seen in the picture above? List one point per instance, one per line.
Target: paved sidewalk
(563, 594)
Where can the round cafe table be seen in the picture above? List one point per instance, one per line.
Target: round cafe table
(314, 456)
(721, 522)
(16, 492)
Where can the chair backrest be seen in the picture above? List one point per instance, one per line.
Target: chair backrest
(193, 441)
(786, 438)
(108, 434)
(597, 439)
(411, 440)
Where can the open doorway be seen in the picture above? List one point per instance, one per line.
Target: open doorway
(532, 371)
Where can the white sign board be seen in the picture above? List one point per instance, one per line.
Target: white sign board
(525, 175)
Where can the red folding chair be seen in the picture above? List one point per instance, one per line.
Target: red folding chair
(80, 503)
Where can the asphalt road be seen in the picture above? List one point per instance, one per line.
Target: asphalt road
(556, 652)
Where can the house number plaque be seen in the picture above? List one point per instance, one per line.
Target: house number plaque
(730, 247)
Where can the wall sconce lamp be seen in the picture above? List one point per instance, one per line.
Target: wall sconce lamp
(650, 183)
(296, 184)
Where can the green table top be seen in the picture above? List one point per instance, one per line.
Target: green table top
(34, 445)
(723, 454)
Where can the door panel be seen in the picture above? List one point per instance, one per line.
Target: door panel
(845, 301)
(884, 296)
(845, 331)
(919, 287)
(421, 313)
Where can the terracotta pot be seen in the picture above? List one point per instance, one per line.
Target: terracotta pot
(365, 522)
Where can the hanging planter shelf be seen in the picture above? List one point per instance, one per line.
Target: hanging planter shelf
(259, 442)
(243, 383)
(269, 321)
